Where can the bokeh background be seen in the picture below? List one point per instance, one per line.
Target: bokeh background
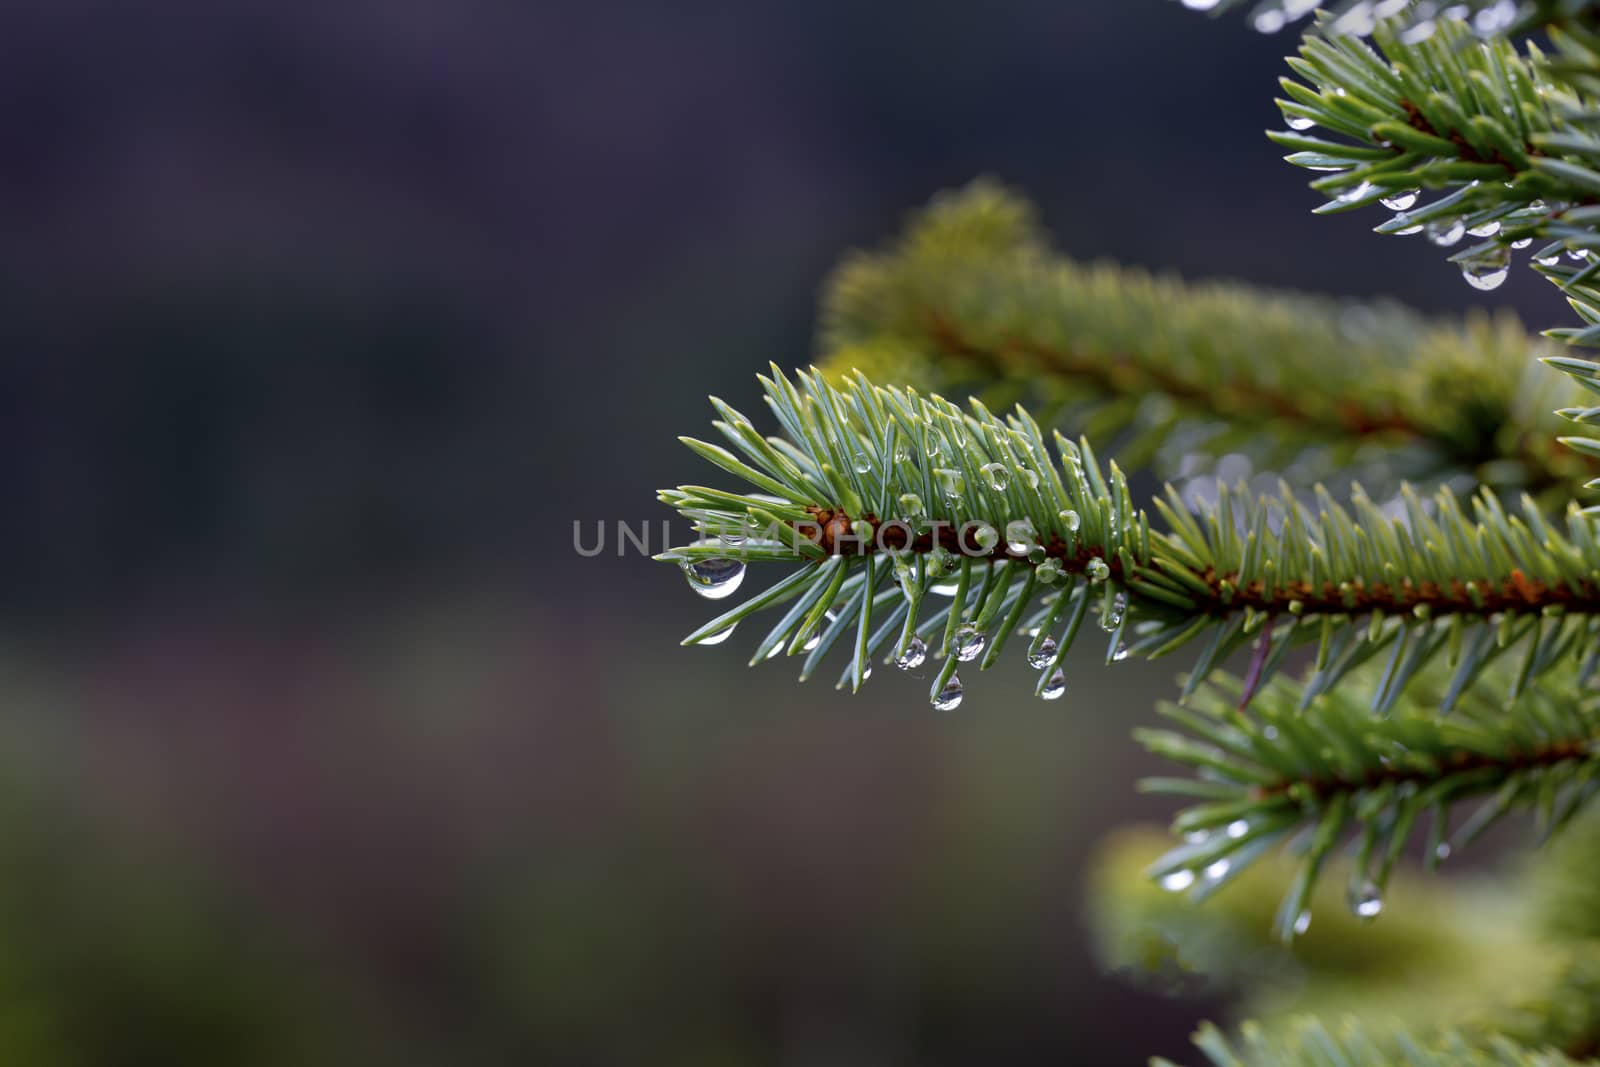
(321, 323)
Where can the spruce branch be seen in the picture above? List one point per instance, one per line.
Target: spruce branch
(970, 299)
(1327, 771)
(1353, 1044)
(891, 502)
(1416, 17)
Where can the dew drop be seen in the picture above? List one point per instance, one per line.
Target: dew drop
(997, 475)
(902, 453)
(1366, 901)
(816, 639)
(914, 656)
(1070, 520)
(1097, 570)
(944, 588)
(1218, 870)
(1446, 233)
(1358, 192)
(949, 698)
(1199, 5)
(1577, 255)
(1488, 271)
(912, 505)
(1487, 229)
(1111, 615)
(732, 539)
(1177, 881)
(1442, 851)
(969, 643)
(1044, 655)
(1055, 686)
(1120, 654)
(1400, 201)
(714, 579)
(1020, 536)
(1524, 243)
(718, 637)
(1238, 828)
(1548, 261)
(1271, 22)
(1302, 922)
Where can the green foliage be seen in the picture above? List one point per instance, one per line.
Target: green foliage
(1421, 662)
(970, 300)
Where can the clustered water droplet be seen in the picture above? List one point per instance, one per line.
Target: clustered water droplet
(914, 656)
(969, 643)
(1111, 615)
(714, 579)
(949, 698)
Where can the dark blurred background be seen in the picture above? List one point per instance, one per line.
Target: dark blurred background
(321, 325)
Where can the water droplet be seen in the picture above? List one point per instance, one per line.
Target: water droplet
(1177, 881)
(718, 637)
(1238, 828)
(1020, 536)
(732, 539)
(1218, 870)
(1548, 261)
(1029, 477)
(1070, 520)
(998, 476)
(949, 698)
(863, 463)
(1358, 192)
(1487, 271)
(1042, 657)
(1120, 654)
(1399, 201)
(1055, 686)
(1577, 255)
(1486, 229)
(933, 446)
(969, 643)
(1037, 554)
(1270, 732)
(1446, 232)
(816, 639)
(1524, 243)
(1097, 570)
(914, 656)
(1272, 22)
(944, 588)
(1366, 901)
(1302, 922)
(902, 453)
(1407, 231)
(714, 579)
(1111, 614)
(911, 504)
(985, 537)
(1442, 851)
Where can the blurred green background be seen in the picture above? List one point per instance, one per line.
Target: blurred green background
(323, 323)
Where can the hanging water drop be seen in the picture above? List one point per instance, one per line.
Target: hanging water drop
(1111, 614)
(1487, 271)
(714, 579)
(1548, 261)
(1097, 570)
(944, 588)
(1485, 229)
(902, 453)
(1177, 881)
(1399, 201)
(718, 637)
(1056, 685)
(1272, 22)
(949, 698)
(1302, 922)
(1120, 654)
(1358, 192)
(732, 537)
(1044, 655)
(1577, 255)
(998, 476)
(1366, 900)
(1020, 536)
(969, 643)
(1524, 243)
(1446, 233)
(816, 639)
(914, 656)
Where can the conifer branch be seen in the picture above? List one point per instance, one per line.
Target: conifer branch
(970, 299)
(1328, 770)
(872, 484)
(1361, 17)
(1312, 1044)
